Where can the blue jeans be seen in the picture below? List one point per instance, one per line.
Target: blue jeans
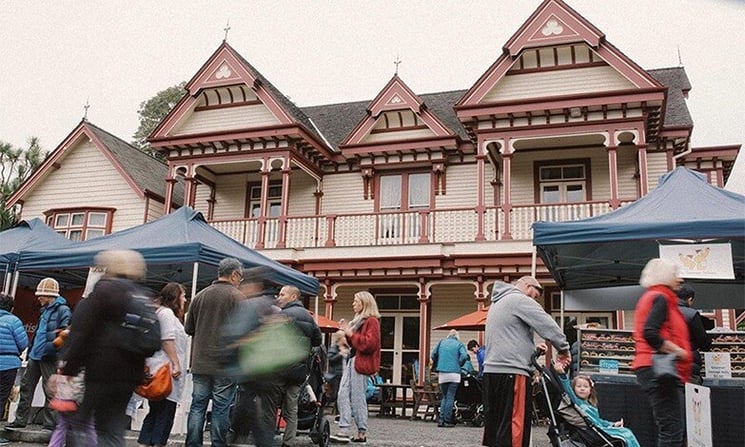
(448, 390)
(222, 392)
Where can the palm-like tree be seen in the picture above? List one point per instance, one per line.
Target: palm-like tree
(16, 165)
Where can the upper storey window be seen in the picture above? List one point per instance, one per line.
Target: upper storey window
(403, 192)
(563, 183)
(80, 224)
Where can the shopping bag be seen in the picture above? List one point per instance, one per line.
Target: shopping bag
(157, 386)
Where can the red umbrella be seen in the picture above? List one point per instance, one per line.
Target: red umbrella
(475, 321)
(326, 324)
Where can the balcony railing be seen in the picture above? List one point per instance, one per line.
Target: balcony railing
(399, 228)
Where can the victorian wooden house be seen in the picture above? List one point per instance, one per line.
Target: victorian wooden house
(425, 199)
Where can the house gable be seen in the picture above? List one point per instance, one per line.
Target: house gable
(396, 114)
(225, 94)
(559, 50)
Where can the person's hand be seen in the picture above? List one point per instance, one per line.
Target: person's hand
(559, 368)
(175, 371)
(564, 359)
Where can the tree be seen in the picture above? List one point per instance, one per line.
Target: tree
(16, 165)
(151, 113)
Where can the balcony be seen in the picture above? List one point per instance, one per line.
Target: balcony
(401, 228)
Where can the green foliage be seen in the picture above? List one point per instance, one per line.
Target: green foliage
(16, 165)
(151, 113)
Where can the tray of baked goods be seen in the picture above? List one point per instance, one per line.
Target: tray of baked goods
(604, 349)
(734, 344)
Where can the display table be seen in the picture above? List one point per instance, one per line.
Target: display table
(620, 397)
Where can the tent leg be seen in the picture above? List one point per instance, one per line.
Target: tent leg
(194, 276)
(14, 287)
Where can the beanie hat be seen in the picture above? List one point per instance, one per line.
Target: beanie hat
(47, 287)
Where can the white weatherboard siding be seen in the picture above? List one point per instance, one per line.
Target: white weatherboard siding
(201, 197)
(557, 83)
(302, 200)
(656, 167)
(460, 187)
(448, 302)
(397, 135)
(241, 117)
(627, 182)
(155, 210)
(343, 193)
(230, 196)
(86, 179)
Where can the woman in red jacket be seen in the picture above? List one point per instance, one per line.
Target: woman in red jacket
(660, 327)
(363, 335)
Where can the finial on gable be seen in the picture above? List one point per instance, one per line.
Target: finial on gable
(86, 107)
(397, 62)
(226, 29)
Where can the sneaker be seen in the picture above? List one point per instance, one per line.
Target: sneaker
(16, 424)
(445, 425)
(4, 441)
(341, 438)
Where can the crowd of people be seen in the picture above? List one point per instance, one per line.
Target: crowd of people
(226, 317)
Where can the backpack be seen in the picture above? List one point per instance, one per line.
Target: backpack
(139, 332)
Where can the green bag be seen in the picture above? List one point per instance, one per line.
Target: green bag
(273, 347)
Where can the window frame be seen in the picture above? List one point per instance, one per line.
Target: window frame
(404, 205)
(276, 200)
(538, 184)
(85, 229)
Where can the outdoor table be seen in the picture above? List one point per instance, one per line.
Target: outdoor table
(390, 402)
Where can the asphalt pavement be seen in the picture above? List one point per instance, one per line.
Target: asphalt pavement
(382, 432)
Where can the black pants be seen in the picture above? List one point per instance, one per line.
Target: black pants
(667, 400)
(507, 408)
(256, 410)
(35, 370)
(7, 379)
(107, 403)
(156, 427)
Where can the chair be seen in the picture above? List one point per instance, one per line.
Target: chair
(427, 396)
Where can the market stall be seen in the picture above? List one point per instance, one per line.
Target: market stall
(597, 263)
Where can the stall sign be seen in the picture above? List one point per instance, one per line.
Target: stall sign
(608, 366)
(718, 365)
(698, 415)
(702, 261)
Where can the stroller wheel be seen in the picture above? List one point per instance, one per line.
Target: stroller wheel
(478, 420)
(324, 434)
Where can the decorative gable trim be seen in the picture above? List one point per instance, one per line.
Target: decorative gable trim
(53, 162)
(223, 69)
(395, 96)
(553, 24)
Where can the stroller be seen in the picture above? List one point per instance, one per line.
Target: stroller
(313, 400)
(568, 424)
(468, 407)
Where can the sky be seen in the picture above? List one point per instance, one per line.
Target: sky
(57, 56)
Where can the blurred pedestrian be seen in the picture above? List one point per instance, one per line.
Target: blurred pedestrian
(207, 314)
(514, 318)
(450, 356)
(13, 340)
(363, 335)
(254, 394)
(156, 427)
(289, 301)
(42, 355)
(473, 346)
(659, 327)
(337, 354)
(96, 344)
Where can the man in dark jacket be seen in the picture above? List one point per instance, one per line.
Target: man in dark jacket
(289, 300)
(42, 355)
(700, 340)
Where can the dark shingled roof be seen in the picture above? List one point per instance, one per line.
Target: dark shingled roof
(336, 121)
(676, 81)
(147, 172)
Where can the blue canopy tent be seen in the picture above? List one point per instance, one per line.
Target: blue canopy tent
(180, 246)
(26, 235)
(609, 251)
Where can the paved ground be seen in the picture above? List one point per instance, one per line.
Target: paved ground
(383, 432)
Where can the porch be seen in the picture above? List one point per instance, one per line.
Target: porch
(401, 228)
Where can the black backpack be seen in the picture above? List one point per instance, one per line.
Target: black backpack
(139, 332)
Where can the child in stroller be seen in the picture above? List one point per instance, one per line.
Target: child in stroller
(574, 416)
(467, 408)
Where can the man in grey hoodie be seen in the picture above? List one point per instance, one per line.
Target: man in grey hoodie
(513, 319)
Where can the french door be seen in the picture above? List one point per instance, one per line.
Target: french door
(399, 341)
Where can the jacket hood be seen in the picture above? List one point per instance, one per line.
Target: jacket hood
(502, 289)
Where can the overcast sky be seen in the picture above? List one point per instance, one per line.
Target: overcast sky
(56, 55)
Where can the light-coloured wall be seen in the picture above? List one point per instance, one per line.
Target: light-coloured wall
(656, 167)
(627, 182)
(155, 210)
(559, 82)
(343, 193)
(302, 200)
(86, 179)
(397, 135)
(230, 196)
(450, 301)
(241, 117)
(460, 187)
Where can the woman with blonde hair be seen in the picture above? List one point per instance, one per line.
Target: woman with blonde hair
(659, 327)
(363, 336)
